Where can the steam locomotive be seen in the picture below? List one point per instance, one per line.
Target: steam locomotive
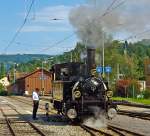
(75, 89)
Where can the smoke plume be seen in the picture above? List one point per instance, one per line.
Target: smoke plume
(127, 19)
(88, 28)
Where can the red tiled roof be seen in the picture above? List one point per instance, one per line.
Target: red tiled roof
(29, 74)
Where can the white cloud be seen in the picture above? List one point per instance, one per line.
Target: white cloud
(44, 20)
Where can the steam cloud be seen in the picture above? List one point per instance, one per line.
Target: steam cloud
(130, 18)
(99, 119)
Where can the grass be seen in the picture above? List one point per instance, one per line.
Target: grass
(141, 101)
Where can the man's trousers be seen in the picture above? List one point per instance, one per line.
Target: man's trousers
(35, 108)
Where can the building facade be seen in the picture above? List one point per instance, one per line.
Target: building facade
(40, 79)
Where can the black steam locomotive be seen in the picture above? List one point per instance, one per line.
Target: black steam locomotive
(75, 89)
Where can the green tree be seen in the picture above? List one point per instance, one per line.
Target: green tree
(2, 90)
(2, 70)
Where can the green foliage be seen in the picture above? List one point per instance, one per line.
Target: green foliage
(1, 87)
(80, 48)
(73, 55)
(30, 66)
(2, 70)
(2, 90)
(131, 64)
(133, 91)
(146, 94)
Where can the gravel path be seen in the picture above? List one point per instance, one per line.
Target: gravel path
(56, 127)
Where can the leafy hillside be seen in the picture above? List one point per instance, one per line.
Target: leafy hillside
(9, 62)
(21, 58)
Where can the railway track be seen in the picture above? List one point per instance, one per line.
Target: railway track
(131, 104)
(4, 130)
(13, 126)
(51, 112)
(111, 130)
(28, 102)
(94, 131)
(144, 116)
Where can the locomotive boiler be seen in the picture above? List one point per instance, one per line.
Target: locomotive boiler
(76, 88)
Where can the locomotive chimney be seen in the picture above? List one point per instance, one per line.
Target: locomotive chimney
(90, 59)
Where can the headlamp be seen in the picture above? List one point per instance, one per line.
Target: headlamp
(71, 113)
(109, 94)
(77, 94)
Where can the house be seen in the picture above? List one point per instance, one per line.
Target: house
(40, 79)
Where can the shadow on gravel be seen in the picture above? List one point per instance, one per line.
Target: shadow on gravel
(53, 119)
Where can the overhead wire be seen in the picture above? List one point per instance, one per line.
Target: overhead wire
(34, 12)
(20, 28)
(135, 35)
(58, 42)
(110, 6)
(113, 8)
(140, 33)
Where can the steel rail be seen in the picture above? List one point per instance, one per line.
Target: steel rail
(131, 104)
(8, 123)
(25, 102)
(135, 113)
(87, 130)
(117, 131)
(35, 128)
(90, 129)
(31, 124)
(144, 116)
(116, 128)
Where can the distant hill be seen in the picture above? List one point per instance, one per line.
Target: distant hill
(21, 58)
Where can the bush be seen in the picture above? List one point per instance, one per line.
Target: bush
(2, 90)
(146, 94)
(1, 87)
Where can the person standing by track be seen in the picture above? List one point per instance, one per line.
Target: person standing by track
(35, 98)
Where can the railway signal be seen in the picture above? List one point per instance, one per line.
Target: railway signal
(108, 70)
(99, 69)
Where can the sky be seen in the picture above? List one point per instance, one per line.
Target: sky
(40, 32)
(43, 35)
